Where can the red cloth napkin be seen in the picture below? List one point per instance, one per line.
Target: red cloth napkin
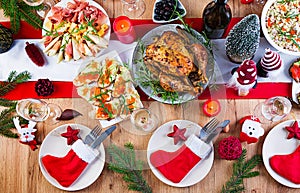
(176, 165)
(287, 166)
(66, 170)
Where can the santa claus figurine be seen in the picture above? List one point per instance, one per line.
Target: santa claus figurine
(244, 77)
(251, 129)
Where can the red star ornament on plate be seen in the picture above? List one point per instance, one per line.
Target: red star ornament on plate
(71, 135)
(177, 134)
(294, 131)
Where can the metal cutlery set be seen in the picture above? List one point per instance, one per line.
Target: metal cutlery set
(208, 133)
(95, 137)
(211, 130)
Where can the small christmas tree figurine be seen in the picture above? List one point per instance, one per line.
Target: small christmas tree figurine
(243, 39)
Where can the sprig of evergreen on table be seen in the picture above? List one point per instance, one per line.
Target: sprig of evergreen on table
(12, 80)
(241, 170)
(6, 115)
(18, 10)
(124, 162)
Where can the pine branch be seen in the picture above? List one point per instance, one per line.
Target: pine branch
(12, 80)
(26, 13)
(6, 123)
(14, 18)
(241, 170)
(7, 103)
(17, 10)
(124, 162)
(6, 115)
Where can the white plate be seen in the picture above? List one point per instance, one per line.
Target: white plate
(160, 141)
(138, 57)
(276, 143)
(91, 2)
(265, 31)
(56, 145)
(180, 5)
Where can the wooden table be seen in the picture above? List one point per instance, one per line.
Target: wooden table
(20, 172)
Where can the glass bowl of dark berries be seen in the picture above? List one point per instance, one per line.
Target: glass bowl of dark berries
(165, 11)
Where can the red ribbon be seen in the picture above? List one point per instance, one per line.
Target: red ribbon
(32, 144)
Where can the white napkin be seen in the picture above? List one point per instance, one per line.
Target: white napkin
(17, 59)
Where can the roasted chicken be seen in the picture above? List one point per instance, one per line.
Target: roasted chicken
(177, 62)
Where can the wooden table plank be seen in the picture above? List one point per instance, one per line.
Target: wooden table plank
(20, 171)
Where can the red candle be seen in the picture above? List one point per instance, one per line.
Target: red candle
(211, 107)
(124, 30)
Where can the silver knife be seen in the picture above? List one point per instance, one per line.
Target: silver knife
(103, 136)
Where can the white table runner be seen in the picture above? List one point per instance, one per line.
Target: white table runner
(17, 59)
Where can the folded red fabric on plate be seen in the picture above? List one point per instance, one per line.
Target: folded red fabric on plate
(176, 165)
(66, 170)
(287, 166)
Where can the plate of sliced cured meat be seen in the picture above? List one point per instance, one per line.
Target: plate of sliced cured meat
(74, 30)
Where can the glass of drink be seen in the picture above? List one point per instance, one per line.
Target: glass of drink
(133, 8)
(47, 7)
(37, 110)
(141, 121)
(273, 109)
(33, 2)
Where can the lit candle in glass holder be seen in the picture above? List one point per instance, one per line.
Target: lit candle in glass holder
(124, 30)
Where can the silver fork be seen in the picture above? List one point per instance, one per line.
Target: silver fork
(94, 133)
(208, 127)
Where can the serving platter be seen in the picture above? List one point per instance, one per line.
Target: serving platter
(138, 65)
(70, 32)
(119, 90)
(277, 36)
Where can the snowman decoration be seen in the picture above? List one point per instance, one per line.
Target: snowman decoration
(251, 129)
(26, 133)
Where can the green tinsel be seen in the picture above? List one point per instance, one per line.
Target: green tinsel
(124, 162)
(18, 10)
